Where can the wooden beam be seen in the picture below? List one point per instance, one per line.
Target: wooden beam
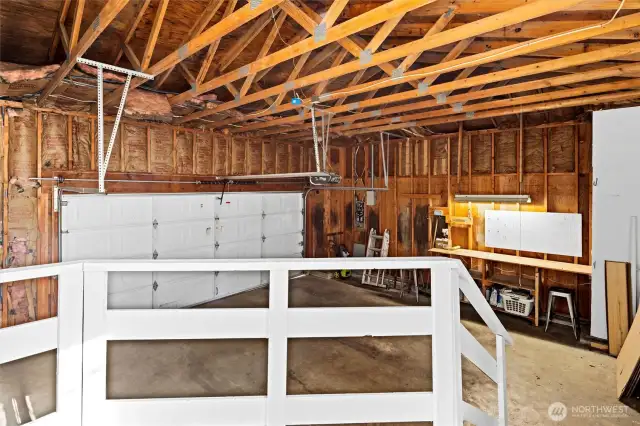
(104, 18)
(529, 11)
(77, 20)
(204, 39)
(472, 109)
(186, 72)
(155, 31)
(323, 84)
(62, 17)
(442, 22)
(132, 29)
(478, 81)
(499, 108)
(294, 74)
(131, 56)
(320, 57)
(64, 38)
(271, 37)
(243, 41)
(213, 47)
(487, 57)
(372, 47)
(380, 14)
(197, 28)
(475, 7)
(526, 30)
(332, 14)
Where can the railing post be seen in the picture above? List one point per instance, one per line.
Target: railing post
(69, 368)
(446, 351)
(94, 367)
(277, 356)
(501, 358)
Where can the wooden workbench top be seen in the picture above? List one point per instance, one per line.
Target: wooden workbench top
(518, 260)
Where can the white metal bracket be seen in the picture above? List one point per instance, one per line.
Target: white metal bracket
(103, 161)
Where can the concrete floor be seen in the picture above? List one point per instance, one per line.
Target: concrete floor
(542, 368)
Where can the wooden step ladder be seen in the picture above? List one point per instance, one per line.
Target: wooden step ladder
(375, 250)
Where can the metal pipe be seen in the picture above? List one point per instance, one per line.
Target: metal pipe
(194, 182)
(350, 188)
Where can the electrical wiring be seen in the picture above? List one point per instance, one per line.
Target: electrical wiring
(466, 64)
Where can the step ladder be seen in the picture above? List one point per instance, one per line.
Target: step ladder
(378, 246)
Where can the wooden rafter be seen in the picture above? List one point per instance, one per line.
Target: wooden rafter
(475, 7)
(292, 76)
(202, 22)
(199, 42)
(132, 30)
(382, 13)
(155, 32)
(213, 47)
(548, 66)
(542, 106)
(308, 19)
(440, 24)
(243, 41)
(75, 27)
(320, 57)
(264, 50)
(399, 121)
(104, 18)
(333, 13)
(62, 16)
(323, 84)
(529, 11)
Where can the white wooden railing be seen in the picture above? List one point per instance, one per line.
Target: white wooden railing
(84, 325)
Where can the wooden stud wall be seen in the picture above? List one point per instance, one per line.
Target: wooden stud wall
(426, 173)
(46, 143)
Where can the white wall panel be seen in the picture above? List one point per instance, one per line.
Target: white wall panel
(553, 233)
(616, 204)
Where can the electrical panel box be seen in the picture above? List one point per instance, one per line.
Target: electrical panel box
(371, 198)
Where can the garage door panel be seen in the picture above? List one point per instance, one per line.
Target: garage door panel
(282, 245)
(119, 282)
(140, 298)
(176, 237)
(175, 289)
(238, 205)
(282, 223)
(239, 250)
(228, 283)
(91, 212)
(120, 243)
(238, 229)
(171, 208)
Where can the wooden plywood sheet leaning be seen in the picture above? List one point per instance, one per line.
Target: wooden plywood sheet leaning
(617, 282)
(628, 363)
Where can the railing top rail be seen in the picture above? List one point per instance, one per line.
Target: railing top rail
(211, 265)
(37, 271)
(269, 264)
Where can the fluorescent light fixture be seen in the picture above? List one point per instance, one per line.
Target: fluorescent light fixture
(490, 198)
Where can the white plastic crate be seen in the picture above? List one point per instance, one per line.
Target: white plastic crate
(517, 304)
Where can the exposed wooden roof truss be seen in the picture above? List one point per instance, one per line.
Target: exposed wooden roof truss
(373, 65)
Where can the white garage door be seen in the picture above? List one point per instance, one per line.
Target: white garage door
(111, 227)
(182, 229)
(185, 226)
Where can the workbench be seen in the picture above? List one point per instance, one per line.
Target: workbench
(537, 264)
